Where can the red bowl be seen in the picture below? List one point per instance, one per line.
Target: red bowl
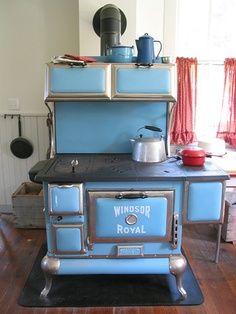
(193, 156)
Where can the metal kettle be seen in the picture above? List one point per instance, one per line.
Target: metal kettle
(148, 149)
(145, 47)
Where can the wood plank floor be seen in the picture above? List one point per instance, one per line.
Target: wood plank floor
(19, 248)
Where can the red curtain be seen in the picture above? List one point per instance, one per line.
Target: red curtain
(227, 124)
(183, 119)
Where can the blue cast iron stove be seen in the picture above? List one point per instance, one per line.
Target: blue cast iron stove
(104, 212)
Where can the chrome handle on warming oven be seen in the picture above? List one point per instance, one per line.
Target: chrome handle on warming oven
(130, 196)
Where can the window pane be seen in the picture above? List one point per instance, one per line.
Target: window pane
(209, 99)
(206, 30)
(222, 29)
(192, 30)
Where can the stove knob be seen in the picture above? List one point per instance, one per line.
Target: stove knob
(74, 163)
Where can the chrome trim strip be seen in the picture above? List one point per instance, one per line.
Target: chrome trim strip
(185, 202)
(77, 97)
(65, 186)
(109, 256)
(169, 118)
(141, 97)
(53, 136)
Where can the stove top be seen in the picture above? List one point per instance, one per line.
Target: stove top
(118, 167)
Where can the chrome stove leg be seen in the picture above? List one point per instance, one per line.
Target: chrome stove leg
(50, 266)
(48, 285)
(178, 265)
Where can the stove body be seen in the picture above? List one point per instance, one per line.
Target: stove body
(104, 212)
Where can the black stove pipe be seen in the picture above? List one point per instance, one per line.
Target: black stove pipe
(109, 23)
(110, 27)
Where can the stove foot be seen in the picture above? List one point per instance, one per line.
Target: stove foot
(48, 285)
(50, 266)
(178, 265)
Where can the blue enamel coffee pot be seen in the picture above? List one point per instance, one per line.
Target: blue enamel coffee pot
(146, 52)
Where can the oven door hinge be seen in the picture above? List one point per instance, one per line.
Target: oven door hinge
(89, 244)
(175, 221)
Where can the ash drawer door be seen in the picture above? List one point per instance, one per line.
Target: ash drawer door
(130, 217)
(65, 199)
(132, 82)
(203, 202)
(89, 82)
(68, 239)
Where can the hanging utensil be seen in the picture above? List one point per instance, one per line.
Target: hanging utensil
(21, 147)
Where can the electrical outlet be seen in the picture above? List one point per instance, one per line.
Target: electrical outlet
(13, 104)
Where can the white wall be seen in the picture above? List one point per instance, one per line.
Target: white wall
(31, 32)
(150, 15)
(169, 27)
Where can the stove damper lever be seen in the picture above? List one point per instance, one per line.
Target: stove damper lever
(74, 163)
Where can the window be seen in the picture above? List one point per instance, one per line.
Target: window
(206, 30)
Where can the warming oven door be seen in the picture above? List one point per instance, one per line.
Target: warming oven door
(130, 216)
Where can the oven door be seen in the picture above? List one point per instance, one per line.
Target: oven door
(130, 216)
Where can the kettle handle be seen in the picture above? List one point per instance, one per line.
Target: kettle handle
(152, 128)
(158, 41)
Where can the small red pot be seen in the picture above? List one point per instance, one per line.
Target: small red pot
(193, 156)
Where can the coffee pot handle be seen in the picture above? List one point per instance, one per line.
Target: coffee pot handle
(158, 41)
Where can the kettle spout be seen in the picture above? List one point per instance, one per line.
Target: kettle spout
(132, 141)
(137, 44)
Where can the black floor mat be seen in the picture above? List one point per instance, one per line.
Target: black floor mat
(108, 290)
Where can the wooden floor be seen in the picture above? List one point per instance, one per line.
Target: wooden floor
(19, 247)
